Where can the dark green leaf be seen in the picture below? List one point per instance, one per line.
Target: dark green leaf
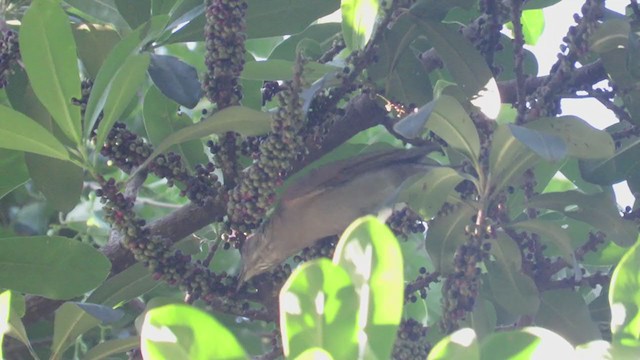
(548, 146)
(283, 70)
(129, 46)
(582, 140)
(49, 54)
(135, 12)
(19, 132)
(565, 312)
(624, 301)
(122, 89)
(333, 325)
(466, 65)
(176, 79)
(462, 344)
(196, 334)
(262, 48)
(370, 253)
(539, 4)
(243, 120)
(94, 44)
(101, 10)
(59, 181)
(14, 171)
(111, 347)
(611, 34)
(617, 167)
(599, 210)
(161, 119)
(105, 314)
(437, 9)
(447, 119)
(40, 265)
(482, 319)
(358, 21)
(69, 323)
(398, 70)
(431, 191)
(514, 291)
(508, 159)
(265, 18)
(286, 50)
(444, 236)
(504, 59)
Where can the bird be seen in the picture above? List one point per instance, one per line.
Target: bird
(326, 200)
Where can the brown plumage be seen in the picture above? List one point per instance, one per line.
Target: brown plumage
(326, 200)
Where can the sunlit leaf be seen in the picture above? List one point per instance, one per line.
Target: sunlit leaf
(462, 344)
(527, 343)
(319, 308)
(185, 332)
(358, 21)
(624, 301)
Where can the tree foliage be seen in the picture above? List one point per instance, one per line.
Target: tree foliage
(143, 141)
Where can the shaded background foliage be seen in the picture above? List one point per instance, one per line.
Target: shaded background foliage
(143, 141)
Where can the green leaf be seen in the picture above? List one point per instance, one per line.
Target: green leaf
(176, 79)
(59, 181)
(462, 344)
(370, 253)
(19, 132)
(129, 46)
(14, 171)
(611, 34)
(112, 347)
(40, 265)
(283, 70)
(550, 234)
(69, 323)
(286, 50)
(265, 18)
(466, 65)
(625, 302)
(124, 286)
(532, 25)
(122, 89)
(185, 332)
(319, 308)
(71, 320)
(582, 140)
(482, 319)
(527, 343)
(358, 22)
(243, 120)
(398, 70)
(49, 54)
(508, 159)
(550, 147)
(12, 308)
(445, 234)
(599, 210)
(565, 312)
(94, 44)
(539, 4)
(161, 119)
(447, 119)
(514, 291)
(101, 10)
(431, 191)
(624, 164)
(136, 12)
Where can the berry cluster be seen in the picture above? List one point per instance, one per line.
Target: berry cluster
(174, 267)
(461, 287)
(411, 341)
(224, 37)
(405, 222)
(9, 54)
(255, 192)
(127, 150)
